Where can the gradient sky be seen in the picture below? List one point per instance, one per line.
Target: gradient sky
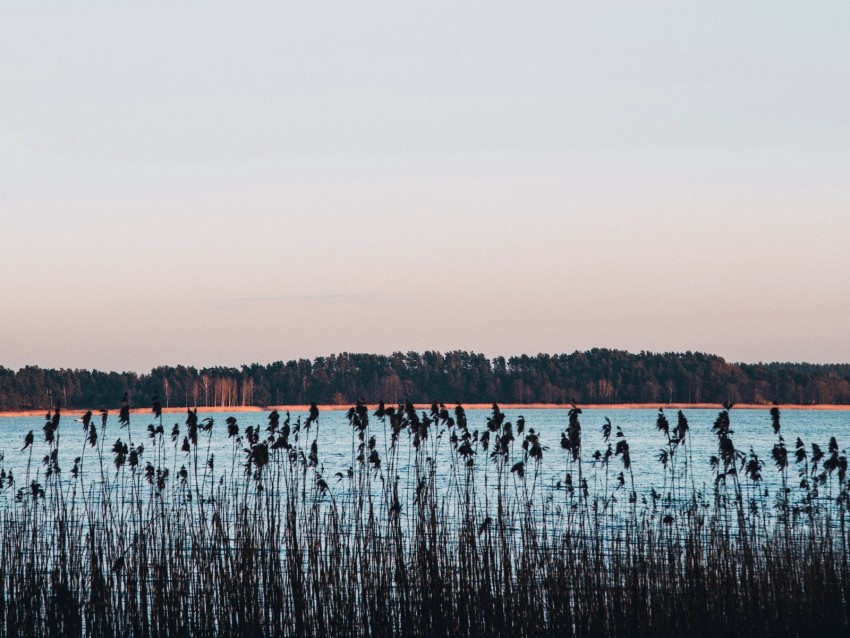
(222, 183)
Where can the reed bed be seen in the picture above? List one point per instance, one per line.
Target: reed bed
(434, 529)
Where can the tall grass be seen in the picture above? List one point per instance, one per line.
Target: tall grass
(434, 529)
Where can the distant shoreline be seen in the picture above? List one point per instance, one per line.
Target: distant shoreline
(450, 406)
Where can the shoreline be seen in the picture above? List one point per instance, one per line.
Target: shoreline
(467, 406)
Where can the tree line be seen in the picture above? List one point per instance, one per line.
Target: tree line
(594, 376)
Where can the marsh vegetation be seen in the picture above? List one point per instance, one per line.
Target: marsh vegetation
(433, 529)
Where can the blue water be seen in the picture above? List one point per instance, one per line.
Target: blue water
(752, 429)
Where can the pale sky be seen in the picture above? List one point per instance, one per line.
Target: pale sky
(222, 183)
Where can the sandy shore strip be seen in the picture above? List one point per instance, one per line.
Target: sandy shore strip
(114, 410)
(450, 406)
(588, 406)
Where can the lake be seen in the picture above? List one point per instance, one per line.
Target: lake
(752, 429)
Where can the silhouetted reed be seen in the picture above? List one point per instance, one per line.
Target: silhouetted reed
(433, 529)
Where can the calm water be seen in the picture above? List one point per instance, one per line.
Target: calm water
(752, 429)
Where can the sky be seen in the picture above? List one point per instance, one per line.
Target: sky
(219, 183)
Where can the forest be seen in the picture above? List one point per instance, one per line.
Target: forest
(598, 376)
